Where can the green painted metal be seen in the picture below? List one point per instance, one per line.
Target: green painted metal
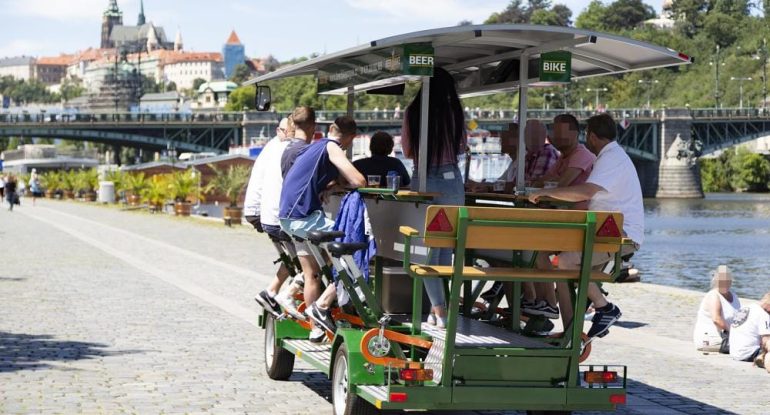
(309, 358)
(548, 371)
(360, 372)
(290, 329)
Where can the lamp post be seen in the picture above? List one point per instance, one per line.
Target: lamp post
(740, 87)
(596, 90)
(716, 64)
(649, 88)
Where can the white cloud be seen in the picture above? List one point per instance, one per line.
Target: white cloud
(444, 11)
(18, 47)
(66, 10)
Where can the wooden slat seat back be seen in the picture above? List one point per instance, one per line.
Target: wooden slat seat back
(518, 229)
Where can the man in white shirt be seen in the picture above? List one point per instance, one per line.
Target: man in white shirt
(260, 207)
(612, 186)
(750, 333)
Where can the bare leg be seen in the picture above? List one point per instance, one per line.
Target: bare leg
(529, 291)
(328, 296)
(280, 277)
(312, 283)
(596, 296)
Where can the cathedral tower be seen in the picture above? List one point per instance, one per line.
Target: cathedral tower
(112, 17)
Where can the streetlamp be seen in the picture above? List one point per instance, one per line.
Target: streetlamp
(716, 64)
(740, 87)
(596, 90)
(649, 88)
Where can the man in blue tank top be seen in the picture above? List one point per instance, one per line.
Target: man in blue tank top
(317, 168)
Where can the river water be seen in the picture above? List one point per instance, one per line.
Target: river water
(685, 240)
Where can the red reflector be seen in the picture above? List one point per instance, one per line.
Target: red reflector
(609, 228)
(600, 377)
(609, 377)
(618, 399)
(684, 57)
(401, 397)
(416, 375)
(440, 223)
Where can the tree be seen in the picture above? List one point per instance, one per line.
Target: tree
(721, 28)
(241, 73)
(243, 97)
(559, 15)
(515, 12)
(465, 23)
(197, 82)
(751, 171)
(592, 18)
(171, 86)
(690, 15)
(627, 14)
(71, 88)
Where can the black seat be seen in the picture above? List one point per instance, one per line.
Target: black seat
(282, 237)
(318, 237)
(338, 249)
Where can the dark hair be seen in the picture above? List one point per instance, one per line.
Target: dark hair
(303, 117)
(345, 125)
(603, 126)
(446, 119)
(381, 143)
(568, 119)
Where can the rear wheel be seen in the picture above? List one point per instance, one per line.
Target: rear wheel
(345, 401)
(279, 362)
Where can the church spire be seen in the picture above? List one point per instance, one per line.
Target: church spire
(140, 21)
(113, 10)
(178, 40)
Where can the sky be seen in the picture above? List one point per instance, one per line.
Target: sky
(283, 28)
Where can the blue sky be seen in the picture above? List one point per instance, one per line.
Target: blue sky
(283, 28)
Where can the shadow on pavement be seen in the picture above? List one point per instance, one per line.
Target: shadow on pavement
(28, 352)
(14, 279)
(669, 400)
(630, 324)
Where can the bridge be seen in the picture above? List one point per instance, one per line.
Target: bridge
(660, 142)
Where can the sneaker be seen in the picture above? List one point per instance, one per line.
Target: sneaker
(431, 319)
(317, 335)
(441, 322)
(321, 318)
(493, 292)
(542, 308)
(288, 305)
(603, 320)
(268, 303)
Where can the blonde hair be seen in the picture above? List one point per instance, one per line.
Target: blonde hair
(765, 301)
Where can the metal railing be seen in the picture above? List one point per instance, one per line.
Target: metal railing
(126, 118)
(37, 152)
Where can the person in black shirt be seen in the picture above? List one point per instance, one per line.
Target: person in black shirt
(380, 163)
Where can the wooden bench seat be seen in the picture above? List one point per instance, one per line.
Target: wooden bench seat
(502, 273)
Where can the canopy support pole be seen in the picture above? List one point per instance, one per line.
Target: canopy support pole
(351, 104)
(422, 156)
(522, 151)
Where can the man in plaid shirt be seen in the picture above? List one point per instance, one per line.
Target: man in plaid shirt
(541, 156)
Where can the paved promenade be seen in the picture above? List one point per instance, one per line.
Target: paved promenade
(104, 311)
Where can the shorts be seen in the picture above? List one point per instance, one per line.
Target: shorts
(571, 260)
(317, 221)
(272, 230)
(753, 356)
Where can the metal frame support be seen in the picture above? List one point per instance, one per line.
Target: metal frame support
(422, 160)
(523, 88)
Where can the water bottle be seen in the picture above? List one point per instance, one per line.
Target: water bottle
(393, 180)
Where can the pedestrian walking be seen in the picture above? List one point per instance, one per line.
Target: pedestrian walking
(10, 193)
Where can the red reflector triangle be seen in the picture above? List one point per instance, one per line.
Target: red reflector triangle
(609, 228)
(440, 223)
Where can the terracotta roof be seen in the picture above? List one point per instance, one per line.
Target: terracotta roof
(170, 57)
(92, 54)
(61, 60)
(256, 65)
(233, 39)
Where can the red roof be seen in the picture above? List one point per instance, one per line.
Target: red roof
(233, 39)
(62, 60)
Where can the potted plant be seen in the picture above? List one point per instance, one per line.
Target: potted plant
(68, 180)
(182, 185)
(86, 182)
(230, 183)
(118, 179)
(135, 183)
(155, 193)
(50, 182)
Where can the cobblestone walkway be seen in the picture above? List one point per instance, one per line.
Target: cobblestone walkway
(106, 311)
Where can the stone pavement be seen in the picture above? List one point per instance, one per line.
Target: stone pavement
(105, 311)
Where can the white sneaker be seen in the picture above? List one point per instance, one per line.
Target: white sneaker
(317, 335)
(287, 303)
(431, 319)
(441, 322)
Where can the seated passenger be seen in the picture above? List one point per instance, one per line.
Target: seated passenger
(380, 163)
(716, 311)
(750, 333)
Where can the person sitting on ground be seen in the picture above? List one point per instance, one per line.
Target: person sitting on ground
(613, 185)
(750, 333)
(317, 167)
(716, 311)
(380, 163)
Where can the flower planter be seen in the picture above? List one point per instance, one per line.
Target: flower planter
(134, 200)
(50, 194)
(69, 194)
(182, 208)
(233, 215)
(155, 207)
(90, 196)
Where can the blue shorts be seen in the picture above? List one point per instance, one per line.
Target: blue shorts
(272, 230)
(317, 221)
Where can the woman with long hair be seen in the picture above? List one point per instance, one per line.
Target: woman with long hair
(446, 142)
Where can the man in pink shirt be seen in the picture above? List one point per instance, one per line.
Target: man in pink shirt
(573, 168)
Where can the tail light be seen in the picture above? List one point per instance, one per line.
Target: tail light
(415, 375)
(600, 377)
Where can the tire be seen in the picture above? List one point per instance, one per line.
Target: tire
(344, 402)
(279, 362)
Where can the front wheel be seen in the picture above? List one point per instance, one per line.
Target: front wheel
(345, 401)
(279, 362)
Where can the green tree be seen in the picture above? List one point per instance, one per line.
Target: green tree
(171, 86)
(515, 12)
(751, 171)
(559, 15)
(240, 98)
(241, 73)
(197, 82)
(592, 18)
(717, 173)
(627, 14)
(721, 28)
(690, 15)
(71, 88)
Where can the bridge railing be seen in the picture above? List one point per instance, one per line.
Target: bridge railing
(486, 114)
(752, 113)
(127, 117)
